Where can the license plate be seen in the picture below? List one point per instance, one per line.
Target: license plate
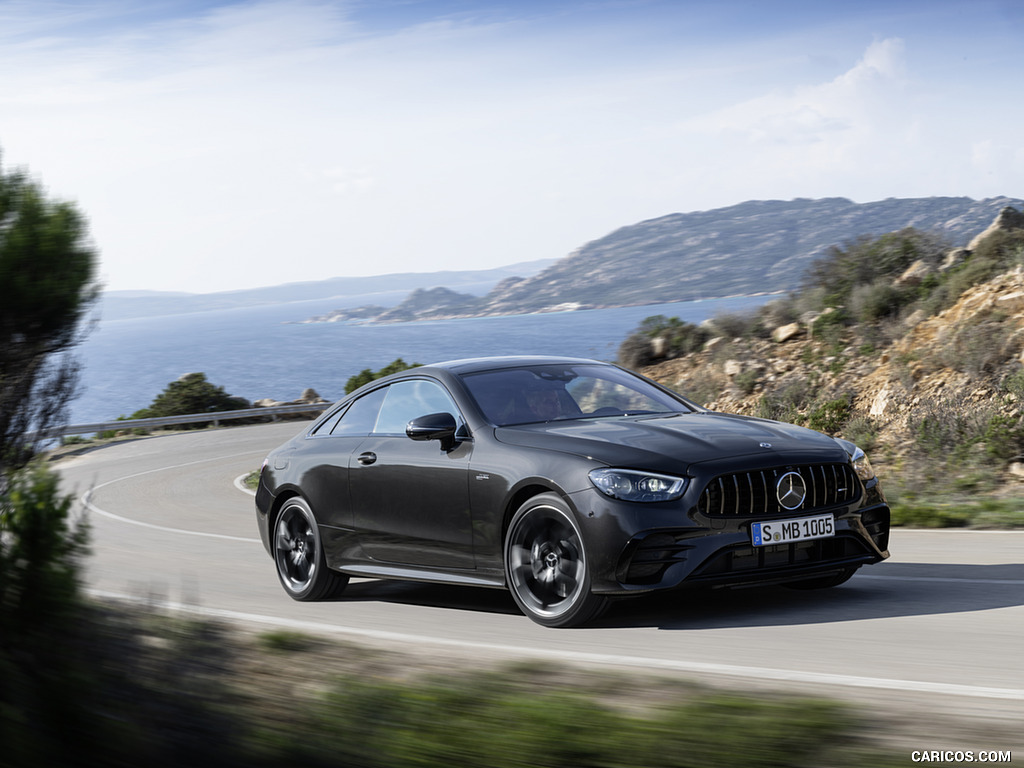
(799, 529)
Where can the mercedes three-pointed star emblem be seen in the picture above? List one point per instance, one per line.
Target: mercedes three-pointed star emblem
(791, 490)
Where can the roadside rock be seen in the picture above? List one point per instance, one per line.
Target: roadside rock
(785, 333)
(308, 397)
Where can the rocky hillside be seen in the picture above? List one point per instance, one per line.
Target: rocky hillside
(932, 386)
(752, 248)
(755, 247)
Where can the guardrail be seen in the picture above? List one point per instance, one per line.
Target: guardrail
(273, 411)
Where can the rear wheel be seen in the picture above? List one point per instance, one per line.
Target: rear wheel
(824, 582)
(299, 555)
(546, 565)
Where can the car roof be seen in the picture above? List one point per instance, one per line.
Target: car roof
(477, 364)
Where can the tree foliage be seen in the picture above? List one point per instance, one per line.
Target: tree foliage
(47, 279)
(192, 393)
(46, 683)
(366, 375)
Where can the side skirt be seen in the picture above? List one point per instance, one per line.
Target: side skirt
(495, 581)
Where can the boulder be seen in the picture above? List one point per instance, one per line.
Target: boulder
(784, 333)
(954, 258)
(732, 368)
(914, 274)
(659, 347)
(1008, 218)
(309, 396)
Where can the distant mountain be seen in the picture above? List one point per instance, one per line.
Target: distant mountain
(754, 247)
(349, 291)
(750, 248)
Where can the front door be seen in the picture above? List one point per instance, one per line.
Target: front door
(410, 499)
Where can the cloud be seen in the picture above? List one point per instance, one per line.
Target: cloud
(847, 105)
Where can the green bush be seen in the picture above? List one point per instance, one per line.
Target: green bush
(40, 550)
(742, 325)
(679, 338)
(494, 721)
(190, 394)
(366, 375)
(871, 260)
(1013, 385)
(45, 717)
(928, 515)
(831, 416)
(786, 401)
(748, 380)
(1003, 249)
(979, 347)
(1004, 437)
(877, 301)
(285, 641)
(862, 431)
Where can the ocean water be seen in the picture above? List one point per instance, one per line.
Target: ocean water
(265, 352)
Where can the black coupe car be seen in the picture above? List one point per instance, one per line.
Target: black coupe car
(566, 481)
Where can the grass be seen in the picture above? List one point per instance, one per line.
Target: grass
(169, 689)
(252, 480)
(968, 512)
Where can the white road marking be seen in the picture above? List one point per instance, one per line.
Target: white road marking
(941, 579)
(240, 485)
(731, 670)
(87, 501)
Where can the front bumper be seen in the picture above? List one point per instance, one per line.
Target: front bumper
(644, 547)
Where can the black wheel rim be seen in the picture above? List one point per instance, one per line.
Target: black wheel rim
(295, 549)
(546, 563)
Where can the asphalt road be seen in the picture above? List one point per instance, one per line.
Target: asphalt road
(939, 626)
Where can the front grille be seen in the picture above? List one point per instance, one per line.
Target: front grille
(750, 494)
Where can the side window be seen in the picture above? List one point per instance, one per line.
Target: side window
(360, 417)
(408, 399)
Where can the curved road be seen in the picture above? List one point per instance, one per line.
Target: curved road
(940, 625)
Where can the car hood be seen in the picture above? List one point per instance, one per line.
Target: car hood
(672, 442)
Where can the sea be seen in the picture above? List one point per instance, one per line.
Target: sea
(269, 352)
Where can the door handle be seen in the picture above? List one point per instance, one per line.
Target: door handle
(367, 458)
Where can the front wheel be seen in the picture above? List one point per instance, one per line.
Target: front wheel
(546, 565)
(299, 556)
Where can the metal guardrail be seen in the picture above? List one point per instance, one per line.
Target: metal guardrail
(273, 411)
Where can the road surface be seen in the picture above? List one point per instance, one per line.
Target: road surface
(938, 627)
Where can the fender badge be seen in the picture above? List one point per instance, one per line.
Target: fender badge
(766, 445)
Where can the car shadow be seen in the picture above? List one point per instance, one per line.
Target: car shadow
(889, 591)
(885, 591)
(433, 595)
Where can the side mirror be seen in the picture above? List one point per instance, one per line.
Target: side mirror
(434, 426)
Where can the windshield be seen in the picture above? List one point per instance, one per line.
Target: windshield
(557, 392)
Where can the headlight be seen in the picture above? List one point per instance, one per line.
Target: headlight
(859, 460)
(862, 465)
(634, 485)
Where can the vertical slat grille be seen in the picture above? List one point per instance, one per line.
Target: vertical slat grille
(749, 494)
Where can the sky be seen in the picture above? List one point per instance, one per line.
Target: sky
(227, 145)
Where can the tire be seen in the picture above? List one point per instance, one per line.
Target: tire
(299, 556)
(824, 582)
(546, 565)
